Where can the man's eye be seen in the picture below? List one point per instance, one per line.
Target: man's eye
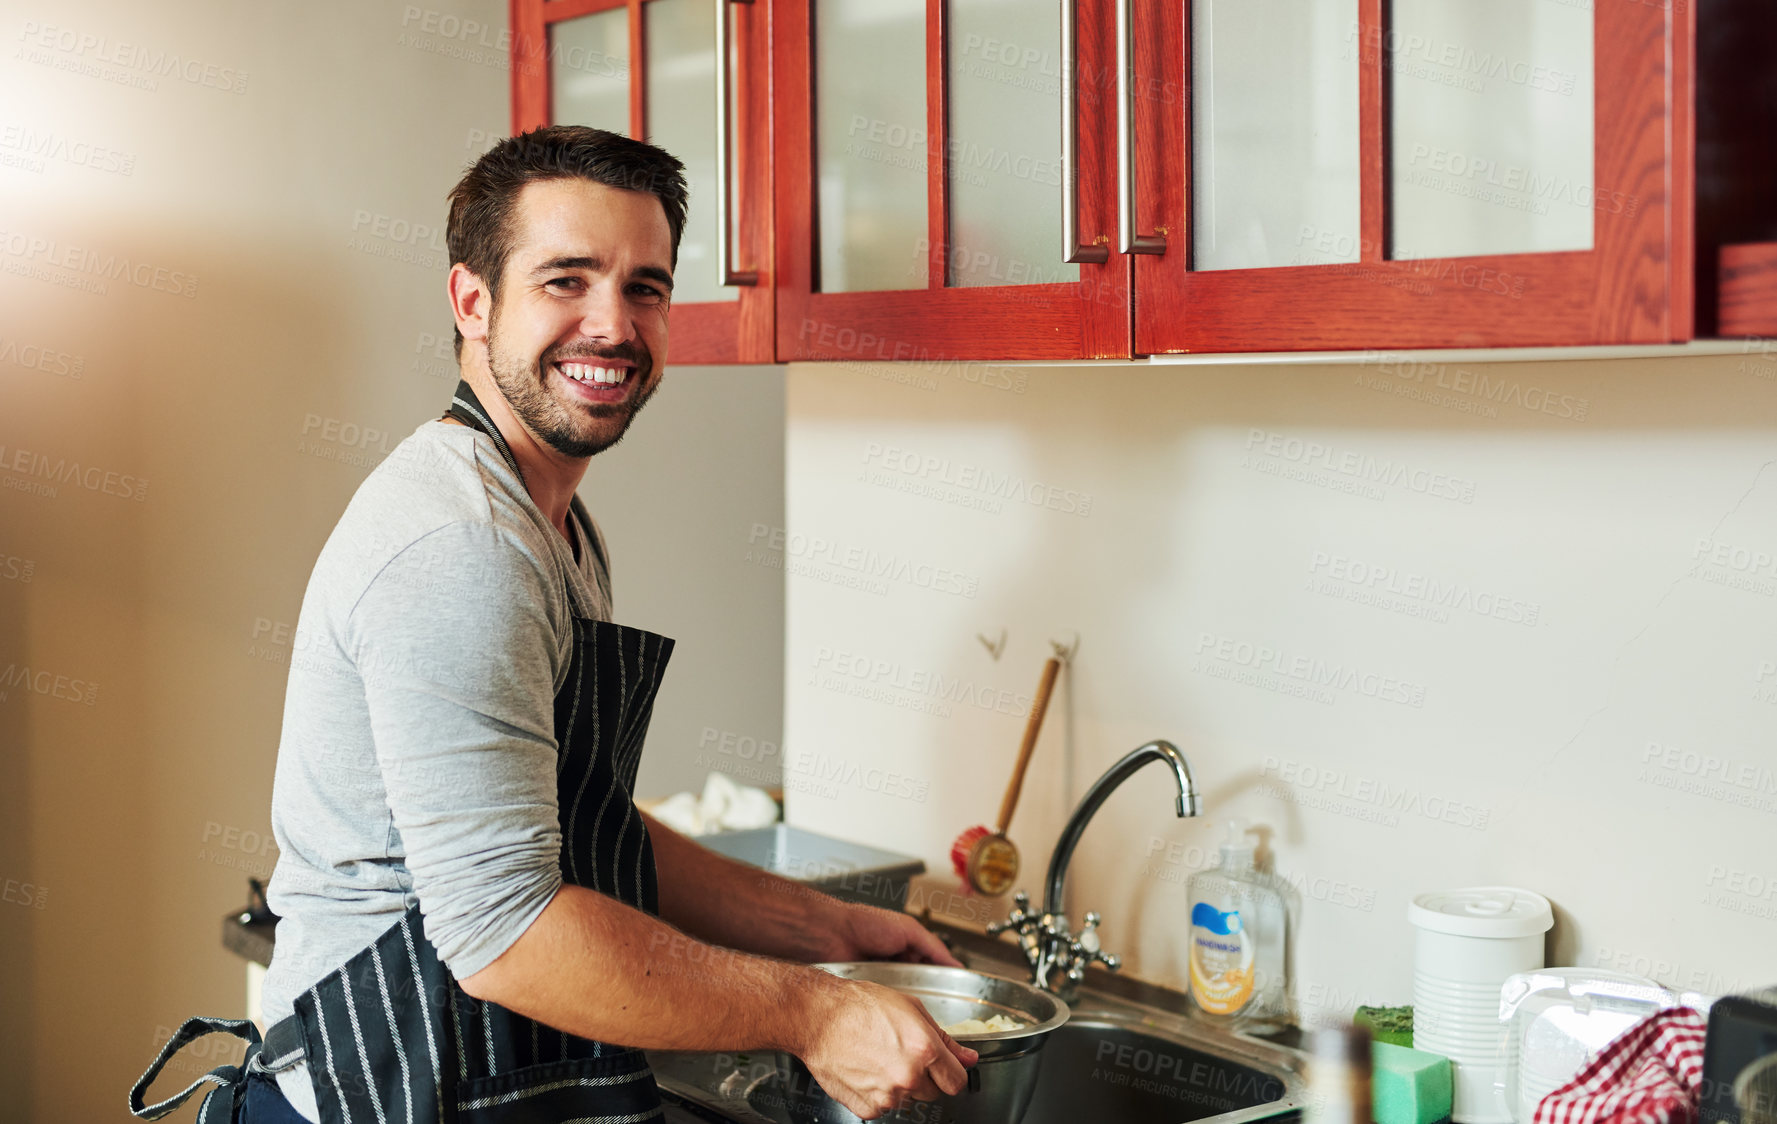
(565, 282)
(648, 292)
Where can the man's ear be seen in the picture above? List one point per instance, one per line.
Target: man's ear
(470, 302)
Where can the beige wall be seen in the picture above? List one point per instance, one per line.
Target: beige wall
(222, 397)
(1585, 705)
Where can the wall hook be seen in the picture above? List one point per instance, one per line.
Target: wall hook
(994, 648)
(1065, 652)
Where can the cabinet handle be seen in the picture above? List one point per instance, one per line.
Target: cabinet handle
(1128, 241)
(725, 271)
(1071, 250)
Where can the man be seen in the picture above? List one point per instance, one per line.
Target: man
(474, 914)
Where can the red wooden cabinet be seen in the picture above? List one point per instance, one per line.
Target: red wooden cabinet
(1038, 314)
(724, 294)
(1118, 266)
(1633, 285)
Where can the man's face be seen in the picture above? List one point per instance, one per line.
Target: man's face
(577, 334)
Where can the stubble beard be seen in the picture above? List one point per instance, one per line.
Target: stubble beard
(579, 429)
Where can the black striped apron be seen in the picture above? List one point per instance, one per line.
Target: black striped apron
(390, 1037)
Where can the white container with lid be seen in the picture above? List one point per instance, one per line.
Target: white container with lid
(1466, 944)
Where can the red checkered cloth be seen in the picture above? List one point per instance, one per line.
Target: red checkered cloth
(1650, 1074)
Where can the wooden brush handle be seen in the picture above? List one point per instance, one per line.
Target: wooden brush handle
(1032, 728)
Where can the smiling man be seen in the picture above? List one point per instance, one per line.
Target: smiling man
(477, 921)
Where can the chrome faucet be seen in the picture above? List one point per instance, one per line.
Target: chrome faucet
(1059, 957)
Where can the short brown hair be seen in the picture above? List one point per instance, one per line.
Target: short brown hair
(479, 233)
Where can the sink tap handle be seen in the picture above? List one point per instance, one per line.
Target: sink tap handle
(1088, 938)
(1019, 921)
(1086, 949)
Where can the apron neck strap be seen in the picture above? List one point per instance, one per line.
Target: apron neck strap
(467, 408)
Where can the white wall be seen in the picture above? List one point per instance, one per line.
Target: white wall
(682, 500)
(297, 216)
(1611, 632)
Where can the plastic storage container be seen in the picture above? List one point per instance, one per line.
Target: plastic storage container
(1467, 943)
(850, 871)
(1559, 1018)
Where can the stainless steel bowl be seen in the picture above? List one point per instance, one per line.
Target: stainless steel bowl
(1000, 1084)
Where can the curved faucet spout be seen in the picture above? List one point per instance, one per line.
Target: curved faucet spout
(1096, 795)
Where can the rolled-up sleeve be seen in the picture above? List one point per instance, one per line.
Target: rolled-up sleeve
(458, 655)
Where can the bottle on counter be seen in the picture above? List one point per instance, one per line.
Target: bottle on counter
(1339, 1077)
(1238, 941)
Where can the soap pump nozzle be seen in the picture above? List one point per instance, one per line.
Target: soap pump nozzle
(1237, 850)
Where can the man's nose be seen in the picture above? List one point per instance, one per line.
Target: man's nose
(605, 316)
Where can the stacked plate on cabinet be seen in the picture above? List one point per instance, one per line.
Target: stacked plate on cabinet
(1467, 944)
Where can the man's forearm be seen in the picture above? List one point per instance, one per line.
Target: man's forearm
(595, 967)
(730, 903)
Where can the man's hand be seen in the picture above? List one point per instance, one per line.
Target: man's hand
(871, 1048)
(862, 932)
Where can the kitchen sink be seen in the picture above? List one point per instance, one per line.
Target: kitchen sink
(1098, 1069)
(1111, 1062)
(1128, 1055)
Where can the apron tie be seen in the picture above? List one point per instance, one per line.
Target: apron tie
(227, 1079)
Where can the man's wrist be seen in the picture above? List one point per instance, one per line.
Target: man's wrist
(812, 995)
(834, 913)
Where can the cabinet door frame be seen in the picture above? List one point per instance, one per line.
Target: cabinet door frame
(1088, 319)
(1634, 285)
(710, 332)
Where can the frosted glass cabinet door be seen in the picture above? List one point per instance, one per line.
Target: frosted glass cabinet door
(1491, 150)
(1274, 132)
(1433, 173)
(680, 81)
(870, 144)
(1004, 90)
(589, 71)
(917, 213)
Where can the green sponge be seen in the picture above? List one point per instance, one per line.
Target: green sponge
(1387, 1024)
(1408, 1086)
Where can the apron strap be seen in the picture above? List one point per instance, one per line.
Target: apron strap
(467, 408)
(217, 1108)
(284, 1046)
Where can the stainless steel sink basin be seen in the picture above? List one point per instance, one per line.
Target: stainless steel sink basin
(1113, 1062)
(1116, 1061)
(1111, 1070)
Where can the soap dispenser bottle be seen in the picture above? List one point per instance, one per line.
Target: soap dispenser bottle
(1237, 940)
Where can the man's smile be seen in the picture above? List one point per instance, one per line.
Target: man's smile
(587, 372)
(597, 380)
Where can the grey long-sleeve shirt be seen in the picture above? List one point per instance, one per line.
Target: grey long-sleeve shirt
(417, 759)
